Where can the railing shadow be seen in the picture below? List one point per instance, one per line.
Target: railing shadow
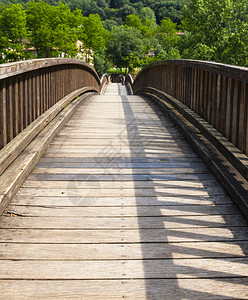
(192, 237)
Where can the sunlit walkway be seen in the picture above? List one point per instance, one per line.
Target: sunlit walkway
(120, 206)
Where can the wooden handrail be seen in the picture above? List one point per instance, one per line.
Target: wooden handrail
(29, 88)
(216, 92)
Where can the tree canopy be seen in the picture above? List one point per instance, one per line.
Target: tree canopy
(125, 47)
(215, 30)
(125, 33)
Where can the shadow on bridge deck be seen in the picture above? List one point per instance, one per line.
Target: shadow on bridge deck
(187, 240)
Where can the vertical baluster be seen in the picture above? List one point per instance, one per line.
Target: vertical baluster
(25, 97)
(213, 100)
(30, 99)
(3, 114)
(235, 109)
(49, 88)
(15, 107)
(21, 103)
(246, 119)
(229, 108)
(218, 104)
(205, 101)
(197, 93)
(10, 111)
(201, 92)
(42, 93)
(37, 85)
(34, 95)
(209, 103)
(241, 117)
(55, 84)
(223, 105)
(187, 89)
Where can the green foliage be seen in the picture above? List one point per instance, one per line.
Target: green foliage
(117, 10)
(146, 14)
(93, 34)
(13, 31)
(134, 21)
(129, 33)
(169, 9)
(53, 28)
(101, 63)
(109, 24)
(125, 47)
(216, 31)
(167, 34)
(125, 11)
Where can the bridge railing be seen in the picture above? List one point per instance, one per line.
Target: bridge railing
(29, 88)
(216, 92)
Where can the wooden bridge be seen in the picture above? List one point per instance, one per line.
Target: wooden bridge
(111, 191)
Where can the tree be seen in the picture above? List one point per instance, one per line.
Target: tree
(101, 63)
(39, 15)
(126, 10)
(134, 21)
(93, 34)
(125, 47)
(109, 24)
(13, 32)
(65, 26)
(237, 51)
(146, 14)
(167, 34)
(169, 8)
(118, 3)
(53, 28)
(213, 27)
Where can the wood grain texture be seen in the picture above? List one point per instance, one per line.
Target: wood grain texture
(131, 269)
(66, 201)
(122, 251)
(120, 206)
(202, 289)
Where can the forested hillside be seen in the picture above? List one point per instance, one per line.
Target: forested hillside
(125, 33)
(117, 10)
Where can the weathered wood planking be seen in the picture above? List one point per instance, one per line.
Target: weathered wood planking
(121, 207)
(93, 191)
(131, 269)
(122, 251)
(177, 222)
(202, 289)
(85, 236)
(119, 201)
(143, 211)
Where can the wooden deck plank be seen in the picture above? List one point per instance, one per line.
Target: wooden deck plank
(120, 206)
(202, 250)
(131, 269)
(119, 201)
(143, 211)
(176, 222)
(93, 191)
(155, 179)
(202, 289)
(85, 236)
(127, 171)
